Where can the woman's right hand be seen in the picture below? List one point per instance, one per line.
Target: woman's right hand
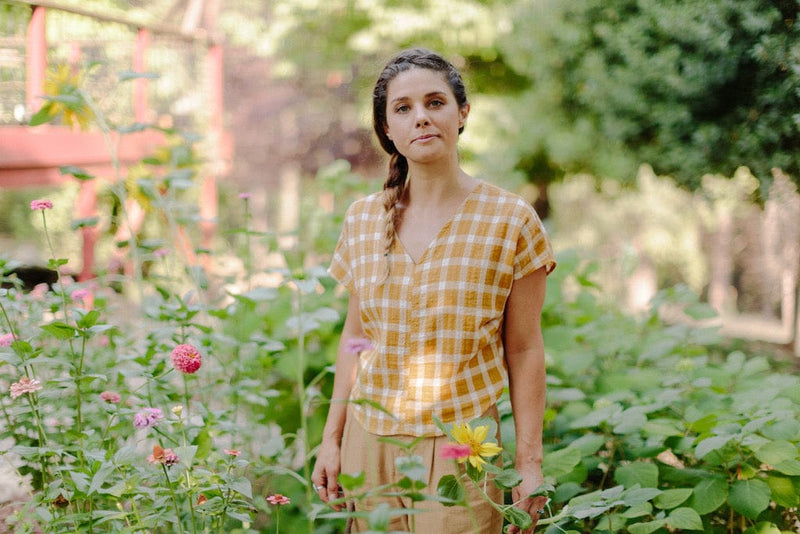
(325, 476)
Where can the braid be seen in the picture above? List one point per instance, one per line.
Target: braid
(392, 192)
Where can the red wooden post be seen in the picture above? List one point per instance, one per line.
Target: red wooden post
(36, 59)
(208, 195)
(140, 84)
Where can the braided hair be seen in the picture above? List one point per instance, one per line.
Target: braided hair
(394, 186)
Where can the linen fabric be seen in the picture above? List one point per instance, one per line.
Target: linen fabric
(377, 459)
(436, 325)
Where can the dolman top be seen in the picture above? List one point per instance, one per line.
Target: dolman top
(436, 325)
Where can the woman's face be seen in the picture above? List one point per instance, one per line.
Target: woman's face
(423, 116)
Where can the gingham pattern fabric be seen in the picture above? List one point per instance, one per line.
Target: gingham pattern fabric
(436, 326)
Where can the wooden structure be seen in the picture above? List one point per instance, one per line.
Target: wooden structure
(32, 156)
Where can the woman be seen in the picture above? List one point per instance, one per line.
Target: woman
(446, 277)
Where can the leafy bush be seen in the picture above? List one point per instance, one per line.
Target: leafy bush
(655, 427)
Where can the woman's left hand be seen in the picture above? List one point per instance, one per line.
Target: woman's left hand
(531, 479)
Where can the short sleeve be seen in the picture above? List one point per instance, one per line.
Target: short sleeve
(341, 268)
(533, 246)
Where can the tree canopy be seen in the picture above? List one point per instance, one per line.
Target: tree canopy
(688, 87)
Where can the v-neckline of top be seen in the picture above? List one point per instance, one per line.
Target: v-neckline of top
(459, 210)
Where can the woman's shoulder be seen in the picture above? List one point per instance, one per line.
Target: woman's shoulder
(504, 199)
(367, 205)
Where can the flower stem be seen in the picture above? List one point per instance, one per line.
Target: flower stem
(174, 499)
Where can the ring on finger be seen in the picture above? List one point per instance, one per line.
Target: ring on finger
(540, 512)
(317, 488)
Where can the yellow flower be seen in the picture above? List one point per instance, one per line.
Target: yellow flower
(464, 434)
(63, 85)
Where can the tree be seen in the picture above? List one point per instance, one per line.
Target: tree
(688, 87)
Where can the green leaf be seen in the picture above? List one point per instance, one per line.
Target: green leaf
(639, 495)
(85, 222)
(671, 498)
(776, 452)
(203, 442)
(76, 172)
(783, 491)
(100, 477)
(88, 319)
(60, 330)
(412, 467)
(126, 75)
(763, 528)
(352, 482)
(749, 497)
(646, 528)
(685, 519)
(44, 115)
(709, 495)
(644, 474)
(788, 467)
(517, 517)
(711, 444)
(242, 485)
(507, 479)
(638, 510)
(449, 488)
(561, 462)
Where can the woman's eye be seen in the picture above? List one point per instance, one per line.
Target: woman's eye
(401, 109)
(436, 103)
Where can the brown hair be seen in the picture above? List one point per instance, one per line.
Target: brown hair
(395, 184)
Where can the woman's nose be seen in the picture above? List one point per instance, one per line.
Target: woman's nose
(421, 116)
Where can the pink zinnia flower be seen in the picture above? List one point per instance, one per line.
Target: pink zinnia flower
(455, 451)
(163, 456)
(160, 252)
(356, 345)
(186, 358)
(147, 418)
(111, 397)
(41, 204)
(278, 499)
(7, 339)
(25, 385)
(80, 294)
(245, 196)
(232, 452)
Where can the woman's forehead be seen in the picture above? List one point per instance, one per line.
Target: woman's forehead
(417, 82)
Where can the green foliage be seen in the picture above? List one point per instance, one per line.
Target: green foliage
(691, 89)
(653, 426)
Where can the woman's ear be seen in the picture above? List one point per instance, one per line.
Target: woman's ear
(464, 113)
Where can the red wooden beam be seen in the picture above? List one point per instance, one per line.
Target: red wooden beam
(36, 59)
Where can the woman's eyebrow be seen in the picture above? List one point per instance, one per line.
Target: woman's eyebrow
(428, 95)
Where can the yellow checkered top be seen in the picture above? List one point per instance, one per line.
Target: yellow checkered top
(436, 325)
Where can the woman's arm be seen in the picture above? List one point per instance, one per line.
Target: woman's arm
(328, 464)
(524, 350)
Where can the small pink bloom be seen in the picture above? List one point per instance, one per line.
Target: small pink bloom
(455, 451)
(163, 456)
(232, 452)
(356, 345)
(41, 204)
(160, 252)
(39, 291)
(111, 397)
(25, 385)
(7, 339)
(147, 418)
(80, 294)
(278, 499)
(186, 358)
(245, 196)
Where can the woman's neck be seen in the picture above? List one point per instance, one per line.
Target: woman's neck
(436, 185)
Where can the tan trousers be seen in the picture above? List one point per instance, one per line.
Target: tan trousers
(362, 452)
